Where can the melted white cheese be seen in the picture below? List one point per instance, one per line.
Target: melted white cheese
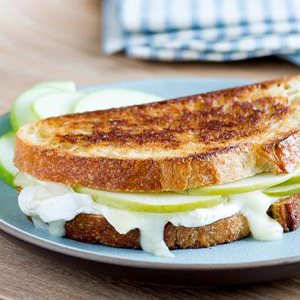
(51, 205)
(254, 207)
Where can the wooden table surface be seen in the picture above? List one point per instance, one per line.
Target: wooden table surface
(46, 40)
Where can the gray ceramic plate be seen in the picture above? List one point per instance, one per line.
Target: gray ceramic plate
(243, 261)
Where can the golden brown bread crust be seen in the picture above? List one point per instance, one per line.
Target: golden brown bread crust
(95, 229)
(183, 143)
(287, 212)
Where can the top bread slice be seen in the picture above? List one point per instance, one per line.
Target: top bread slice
(193, 141)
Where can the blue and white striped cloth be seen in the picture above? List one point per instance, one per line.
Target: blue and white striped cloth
(210, 30)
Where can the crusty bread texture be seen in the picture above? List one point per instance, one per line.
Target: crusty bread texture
(95, 229)
(173, 145)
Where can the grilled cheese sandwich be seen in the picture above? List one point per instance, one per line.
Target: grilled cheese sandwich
(119, 176)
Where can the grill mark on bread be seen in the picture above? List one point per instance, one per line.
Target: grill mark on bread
(231, 121)
(122, 138)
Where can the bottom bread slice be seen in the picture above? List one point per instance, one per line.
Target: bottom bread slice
(90, 228)
(96, 229)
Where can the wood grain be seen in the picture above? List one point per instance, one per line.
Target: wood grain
(44, 40)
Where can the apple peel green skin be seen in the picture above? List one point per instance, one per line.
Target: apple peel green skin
(112, 98)
(283, 190)
(7, 168)
(152, 202)
(293, 180)
(257, 182)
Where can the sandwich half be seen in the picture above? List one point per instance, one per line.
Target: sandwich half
(190, 172)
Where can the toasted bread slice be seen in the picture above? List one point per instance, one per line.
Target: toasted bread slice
(95, 229)
(188, 142)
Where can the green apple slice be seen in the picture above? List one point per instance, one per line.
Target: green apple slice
(283, 190)
(257, 182)
(152, 202)
(105, 99)
(7, 168)
(55, 104)
(293, 180)
(21, 112)
(63, 85)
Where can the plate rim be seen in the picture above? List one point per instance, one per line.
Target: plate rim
(141, 264)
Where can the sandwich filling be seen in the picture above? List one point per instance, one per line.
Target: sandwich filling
(51, 205)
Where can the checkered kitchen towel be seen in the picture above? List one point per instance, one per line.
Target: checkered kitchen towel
(211, 30)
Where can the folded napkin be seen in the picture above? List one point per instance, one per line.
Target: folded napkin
(210, 30)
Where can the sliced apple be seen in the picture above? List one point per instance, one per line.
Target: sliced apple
(65, 85)
(283, 190)
(293, 180)
(152, 202)
(7, 168)
(105, 99)
(257, 182)
(55, 104)
(21, 112)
